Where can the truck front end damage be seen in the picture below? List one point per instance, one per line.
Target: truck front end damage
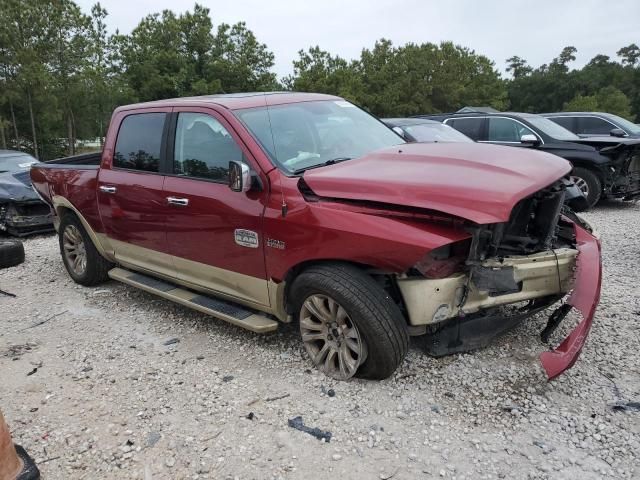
(464, 295)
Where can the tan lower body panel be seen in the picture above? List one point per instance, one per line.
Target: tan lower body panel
(430, 301)
(254, 322)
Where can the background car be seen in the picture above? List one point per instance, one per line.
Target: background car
(602, 166)
(421, 130)
(21, 210)
(590, 124)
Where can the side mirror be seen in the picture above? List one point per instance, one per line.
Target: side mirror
(617, 132)
(239, 176)
(529, 139)
(399, 131)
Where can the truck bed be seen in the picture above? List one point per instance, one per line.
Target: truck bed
(72, 178)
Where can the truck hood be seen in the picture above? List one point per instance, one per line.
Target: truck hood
(478, 182)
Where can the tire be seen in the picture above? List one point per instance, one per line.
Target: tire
(95, 268)
(11, 253)
(589, 183)
(378, 320)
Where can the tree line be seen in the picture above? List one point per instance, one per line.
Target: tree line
(62, 73)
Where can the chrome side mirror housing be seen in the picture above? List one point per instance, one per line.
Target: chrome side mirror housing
(529, 139)
(239, 176)
(399, 131)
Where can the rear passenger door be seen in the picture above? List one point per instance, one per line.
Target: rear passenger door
(213, 233)
(130, 194)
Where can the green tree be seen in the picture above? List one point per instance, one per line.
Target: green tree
(612, 100)
(630, 55)
(582, 103)
(518, 67)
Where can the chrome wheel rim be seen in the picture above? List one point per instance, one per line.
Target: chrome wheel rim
(330, 337)
(581, 184)
(74, 249)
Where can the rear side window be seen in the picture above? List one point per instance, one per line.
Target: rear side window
(593, 126)
(566, 122)
(139, 142)
(471, 127)
(203, 148)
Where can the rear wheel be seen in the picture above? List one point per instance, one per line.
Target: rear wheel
(80, 257)
(589, 184)
(349, 325)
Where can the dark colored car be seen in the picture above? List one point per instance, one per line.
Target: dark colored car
(602, 166)
(422, 130)
(432, 131)
(266, 208)
(21, 210)
(595, 124)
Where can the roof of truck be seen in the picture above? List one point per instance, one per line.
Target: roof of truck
(235, 101)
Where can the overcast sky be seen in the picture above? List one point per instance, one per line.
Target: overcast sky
(534, 30)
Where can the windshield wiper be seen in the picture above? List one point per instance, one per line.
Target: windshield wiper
(332, 161)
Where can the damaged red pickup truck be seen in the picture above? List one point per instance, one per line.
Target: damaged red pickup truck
(267, 208)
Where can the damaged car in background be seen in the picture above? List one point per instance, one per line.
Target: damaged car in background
(265, 208)
(21, 210)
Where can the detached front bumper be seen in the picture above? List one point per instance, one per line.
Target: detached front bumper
(584, 298)
(459, 324)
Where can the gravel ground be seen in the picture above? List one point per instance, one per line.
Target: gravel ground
(96, 392)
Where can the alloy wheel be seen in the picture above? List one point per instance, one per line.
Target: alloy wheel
(74, 249)
(581, 184)
(330, 337)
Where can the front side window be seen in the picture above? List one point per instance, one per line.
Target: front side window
(471, 127)
(203, 148)
(506, 130)
(139, 142)
(594, 126)
(298, 136)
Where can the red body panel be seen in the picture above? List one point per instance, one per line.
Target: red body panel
(584, 298)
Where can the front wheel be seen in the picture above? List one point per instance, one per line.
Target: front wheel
(349, 324)
(80, 257)
(589, 184)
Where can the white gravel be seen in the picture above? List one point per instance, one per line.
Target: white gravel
(110, 400)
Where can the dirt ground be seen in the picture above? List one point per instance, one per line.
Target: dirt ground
(110, 382)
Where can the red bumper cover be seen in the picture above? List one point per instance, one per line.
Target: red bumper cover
(584, 297)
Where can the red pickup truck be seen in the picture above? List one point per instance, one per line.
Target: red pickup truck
(278, 207)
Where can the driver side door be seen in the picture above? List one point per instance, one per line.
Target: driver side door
(213, 233)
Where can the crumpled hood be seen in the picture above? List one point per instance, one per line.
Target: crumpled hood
(13, 188)
(478, 182)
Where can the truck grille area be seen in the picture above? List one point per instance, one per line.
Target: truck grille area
(533, 227)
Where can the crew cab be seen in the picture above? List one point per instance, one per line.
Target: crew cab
(602, 166)
(289, 207)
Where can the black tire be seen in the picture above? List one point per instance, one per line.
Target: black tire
(97, 267)
(592, 182)
(375, 314)
(11, 253)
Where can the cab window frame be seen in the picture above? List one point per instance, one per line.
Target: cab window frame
(169, 165)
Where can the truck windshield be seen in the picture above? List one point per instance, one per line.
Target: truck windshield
(436, 132)
(298, 136)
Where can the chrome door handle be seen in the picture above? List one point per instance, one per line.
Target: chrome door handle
(181, 202)
(106, 189)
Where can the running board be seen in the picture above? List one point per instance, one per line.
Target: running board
(224, 310)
